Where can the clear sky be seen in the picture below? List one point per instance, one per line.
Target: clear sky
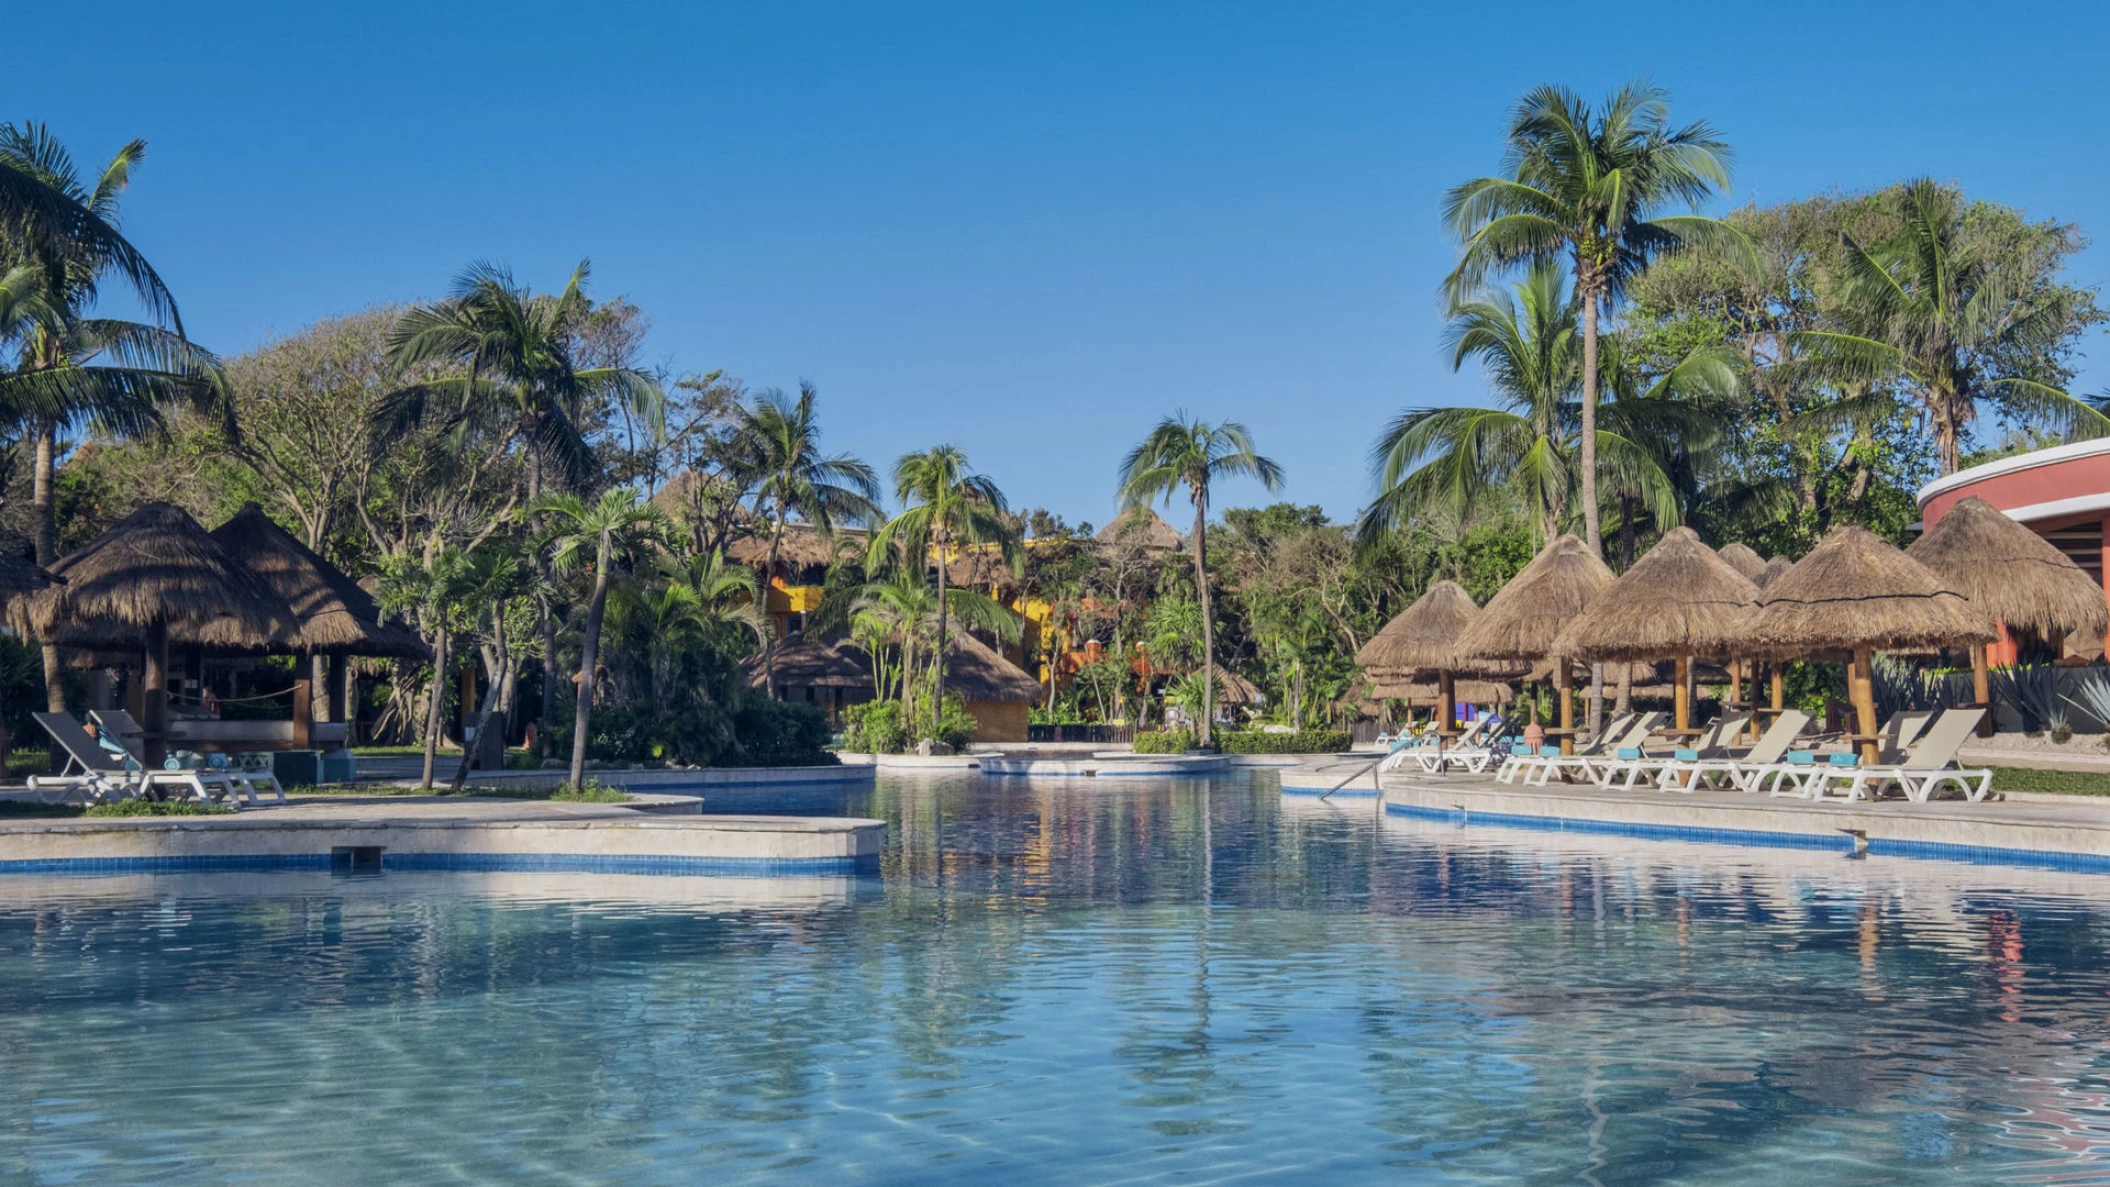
(1030, 229)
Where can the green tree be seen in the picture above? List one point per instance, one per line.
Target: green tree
(944, 503)
(431, 595)
(1959, 319)
(1587, 186)
(781, 438)
(619, 521)
(1184, 452)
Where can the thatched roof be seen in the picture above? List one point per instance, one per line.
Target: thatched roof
(1141, 526)
(980, 674)
(810, 662)
(801, 548)
(21, 581)
(981, 567)
(1681, 596)
(1234, 689)
(1743, 559)
(158, 566)
(1424, 636)
(1389, 687)
(1853, 590)
(334, 614)
(1771, 573)
(2011, 573)
(1527, 616)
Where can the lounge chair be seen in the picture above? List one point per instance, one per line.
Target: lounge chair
(120, 724)
(104, 774)
(1747, 771)
(1473, 750)
(1630, 763)
(1619, 733)
(1928, 766)
(1524, 760)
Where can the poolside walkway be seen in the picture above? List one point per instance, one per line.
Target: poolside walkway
(2067, 832)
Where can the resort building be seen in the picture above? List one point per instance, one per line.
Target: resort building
(837, 673)
(2061, 493)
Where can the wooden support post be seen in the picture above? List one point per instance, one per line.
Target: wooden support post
(303, 710)
(154, 696)
(1982, 688)
(1861, 682)
(1681, 697)
(1446, 708)
(1560, 686)
(1780, 687)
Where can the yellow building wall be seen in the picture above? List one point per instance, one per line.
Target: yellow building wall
(998, 721)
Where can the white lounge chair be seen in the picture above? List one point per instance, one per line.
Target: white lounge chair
(1630, 764)
(1929, 765)
(1473, 750)
(1620, 733)
(121, 726)
(97, 774)
(1746, 771)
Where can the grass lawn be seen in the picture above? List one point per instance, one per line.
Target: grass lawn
(2052, 782)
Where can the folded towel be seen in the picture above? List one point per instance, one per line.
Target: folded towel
(1685, 754)
(1845, 760)
(1801, 758)
(1549, 752)
(1630, 753)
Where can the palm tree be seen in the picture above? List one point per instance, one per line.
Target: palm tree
(521, 384)
(45, 213)
(489, 582)
(1586, 186)
(620, 520)
(1446, 462)
(431, 594)
(782, 438)
(1192, 453)
(902, 612)
(1947, 319)
(943, 503)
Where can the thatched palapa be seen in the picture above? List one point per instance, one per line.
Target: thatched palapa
(2011, 573)
(1682, 598)
(1141, 526)
(1743, 559)
(335, 616)
(157, 568)
(1771, 573)
(1855, 591)
(808, 662)
(1423, 637)
(1525, 619)
(1388, 685)
(978, 673)
(21, 584)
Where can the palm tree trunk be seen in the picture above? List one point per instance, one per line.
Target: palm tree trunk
(937, 703)
(434, 708)
(589, 653)
(769, 648)
(45, 514)
(1593, 531)
(1201, 585)
(499, 675)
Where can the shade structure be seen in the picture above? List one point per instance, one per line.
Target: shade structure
(1525, 619)
(1141, 527)
(1387, 685)
(333, 614)
(1233, 689)
(155, 575)
(1771, 573)
(808, 662)
(1855, 593)
(21, 583)
(1682, 599)
(1744, 560)
(1423, 641)
(2013, 574)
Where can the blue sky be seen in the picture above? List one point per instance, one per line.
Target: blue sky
(1028, 229)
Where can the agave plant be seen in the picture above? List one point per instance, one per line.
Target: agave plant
(2033, 689)
(2093, 687)
(1900, 686)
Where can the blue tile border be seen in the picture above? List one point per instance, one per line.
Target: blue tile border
(2087, 863)
(1346, 793)
(526, 862)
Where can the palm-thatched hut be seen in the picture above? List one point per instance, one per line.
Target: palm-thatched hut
(834, 673)
(334, 615)
(21, 583)
(1423, 640)
(1771, 573)
(831, 673)
(1744, 560)
(157, 573)
(1681, 599)
(1525, 619)
(2013, 574)
(1141, 527)
(1855, 593)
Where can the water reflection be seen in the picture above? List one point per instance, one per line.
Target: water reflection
(1072, 981)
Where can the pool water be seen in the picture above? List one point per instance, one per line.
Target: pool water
(1072, 982)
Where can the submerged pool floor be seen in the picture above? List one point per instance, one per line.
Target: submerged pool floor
(1205, 981)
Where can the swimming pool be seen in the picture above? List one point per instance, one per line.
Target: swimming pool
(1069, 981)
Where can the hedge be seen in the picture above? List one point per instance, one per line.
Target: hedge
(1164, 742)
(1307, 741)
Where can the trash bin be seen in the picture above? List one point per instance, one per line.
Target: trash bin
(297, 768)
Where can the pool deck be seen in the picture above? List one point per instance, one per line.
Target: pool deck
(2067, 832)
(407, 832)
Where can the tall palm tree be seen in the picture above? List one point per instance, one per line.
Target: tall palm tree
(902, 612)
(1445, 462)
(781, 438)
(619, 521)
(944, 503)
(1192, 453)
(45, 213)
(1586, 186)
(1946, 318)
(521, 384)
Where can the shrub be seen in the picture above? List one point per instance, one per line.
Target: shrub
(1163, 742)
(955, 726)
(1304, 741)
(159, 808)
(874, 727)
(780, 734)
(591, 792)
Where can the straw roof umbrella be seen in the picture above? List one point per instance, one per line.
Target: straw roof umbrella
(1424, 639)
(333, 614)
(2013, 574)
(1681, 599)
(21, 582)
(1525, 619)
(1855, 593)
(156, 572)
(1744, 560)
(1771, 573)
